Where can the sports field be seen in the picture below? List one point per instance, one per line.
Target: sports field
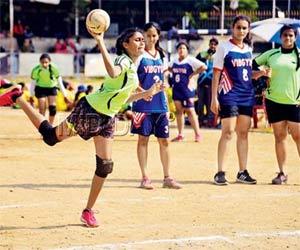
(44, 189)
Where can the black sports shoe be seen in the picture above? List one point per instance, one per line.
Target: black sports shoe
(244, 177)
(220, 179)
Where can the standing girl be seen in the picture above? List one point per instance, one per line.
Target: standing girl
(283, 94)
(183, 68)
(45, 77)
(150, 116)
(94, 114)
(233, 96)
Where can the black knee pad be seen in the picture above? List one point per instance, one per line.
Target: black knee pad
(52, 110)
(48, 133)
(103, 167)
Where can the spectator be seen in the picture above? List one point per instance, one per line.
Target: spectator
(28, 46)
(79, 57)
(81, 92)
(18, 31)
(28, 32)
(71, 48)
(89, 89)
(204, 85)
(60, 46)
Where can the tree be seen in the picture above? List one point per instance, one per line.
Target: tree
(248, 5)
(243, 4)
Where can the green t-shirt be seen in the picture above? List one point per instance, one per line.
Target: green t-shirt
(284, 85)
(114, 92)
(45, 78)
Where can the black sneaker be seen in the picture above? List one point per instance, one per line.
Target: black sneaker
(244, 177)
(220, 179)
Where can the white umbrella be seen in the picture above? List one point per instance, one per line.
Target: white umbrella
(269, 30)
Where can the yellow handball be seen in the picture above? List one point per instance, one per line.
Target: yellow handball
(97, 21)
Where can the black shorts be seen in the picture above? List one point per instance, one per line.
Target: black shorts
(227, 111)
(87, 122)
(282, 112)
(44, 92)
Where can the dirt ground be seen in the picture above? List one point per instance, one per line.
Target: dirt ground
(43, 190)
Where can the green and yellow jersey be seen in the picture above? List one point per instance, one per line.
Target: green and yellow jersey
(114, 92)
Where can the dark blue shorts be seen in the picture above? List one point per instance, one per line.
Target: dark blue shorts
(278, 112)
(227, 111)
(187, 103)
(88, 123)
(150, 123)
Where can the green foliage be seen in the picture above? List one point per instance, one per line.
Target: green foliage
(203, 15)
(248, 5)
(243, 4)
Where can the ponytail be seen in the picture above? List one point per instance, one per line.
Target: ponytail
(298, 57)
(51, 72)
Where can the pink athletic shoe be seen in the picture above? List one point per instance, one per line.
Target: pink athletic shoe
(171, 183)
(197, 138)
(88, 218)
(280, 179)
(146, 183)
(178, 138)
(10, 97)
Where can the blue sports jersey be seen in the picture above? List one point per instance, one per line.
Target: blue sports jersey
(181, 71)
(150, 70)
(235, 86)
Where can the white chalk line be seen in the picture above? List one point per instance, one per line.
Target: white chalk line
(153, 199)
(148, 242)
(26, 205)
(45, 204)
(270, 234)
(214, 238)
(283, 194)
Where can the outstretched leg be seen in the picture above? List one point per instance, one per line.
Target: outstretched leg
(104, 166)
(50, 135)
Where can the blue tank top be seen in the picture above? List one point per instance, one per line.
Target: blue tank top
(181, 71)
(150, 70)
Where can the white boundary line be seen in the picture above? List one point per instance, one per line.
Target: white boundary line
(148, 242)
(25, 205)
(129, 200)
(270, 234)
(259, 195)
(282, 234)
(141, 200)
